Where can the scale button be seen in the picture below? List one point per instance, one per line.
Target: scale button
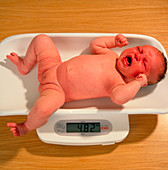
(59, 131)
(59, 125)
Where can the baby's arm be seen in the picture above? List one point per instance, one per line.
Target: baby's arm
(125, 92)
(48, 102)
(102, 45)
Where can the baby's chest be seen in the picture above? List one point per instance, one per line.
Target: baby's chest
(112, 79)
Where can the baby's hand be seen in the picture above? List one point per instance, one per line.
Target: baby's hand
(120, 40)
(142, 79)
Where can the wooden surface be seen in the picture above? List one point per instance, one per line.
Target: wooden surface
(146, 146)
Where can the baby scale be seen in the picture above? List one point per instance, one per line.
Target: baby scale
(85, 122)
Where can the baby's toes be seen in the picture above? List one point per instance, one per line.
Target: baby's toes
(13, 54)
(12, 125)
(15, 134)
(14, 131)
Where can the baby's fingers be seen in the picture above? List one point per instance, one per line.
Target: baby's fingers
(145, 85)
(121, 40)
(142, 80)
(124, 42)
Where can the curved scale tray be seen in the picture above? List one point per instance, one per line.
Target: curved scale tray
(18, 93)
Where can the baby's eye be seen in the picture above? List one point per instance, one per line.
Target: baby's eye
(144, 62)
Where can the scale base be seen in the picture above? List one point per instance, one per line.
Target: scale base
(119, 122)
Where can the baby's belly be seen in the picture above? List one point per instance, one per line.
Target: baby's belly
(79, 85)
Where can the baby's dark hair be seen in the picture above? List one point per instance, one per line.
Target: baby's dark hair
(163, 74)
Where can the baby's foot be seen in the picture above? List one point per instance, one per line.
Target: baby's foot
(18, 129)
(18, 62)
(14, 58)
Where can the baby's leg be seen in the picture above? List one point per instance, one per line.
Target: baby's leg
(48, 102)
(41, 47)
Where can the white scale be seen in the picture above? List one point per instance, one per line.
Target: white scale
(104, 124)
(84, 128)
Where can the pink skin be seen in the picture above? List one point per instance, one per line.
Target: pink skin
(18, 129)
(102, 74)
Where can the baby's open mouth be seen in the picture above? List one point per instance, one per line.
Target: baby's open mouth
(128, 60)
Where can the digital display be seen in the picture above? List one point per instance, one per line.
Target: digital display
(89, 127)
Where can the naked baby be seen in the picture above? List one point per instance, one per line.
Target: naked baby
(102, 74)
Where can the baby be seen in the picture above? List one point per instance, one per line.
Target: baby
(103, 74)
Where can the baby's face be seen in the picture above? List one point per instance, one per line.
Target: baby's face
(141, 59)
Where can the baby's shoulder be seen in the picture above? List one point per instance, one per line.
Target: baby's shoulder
(112, 54)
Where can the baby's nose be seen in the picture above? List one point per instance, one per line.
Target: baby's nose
(138, 57)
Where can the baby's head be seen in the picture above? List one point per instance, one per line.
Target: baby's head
(142, 59)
